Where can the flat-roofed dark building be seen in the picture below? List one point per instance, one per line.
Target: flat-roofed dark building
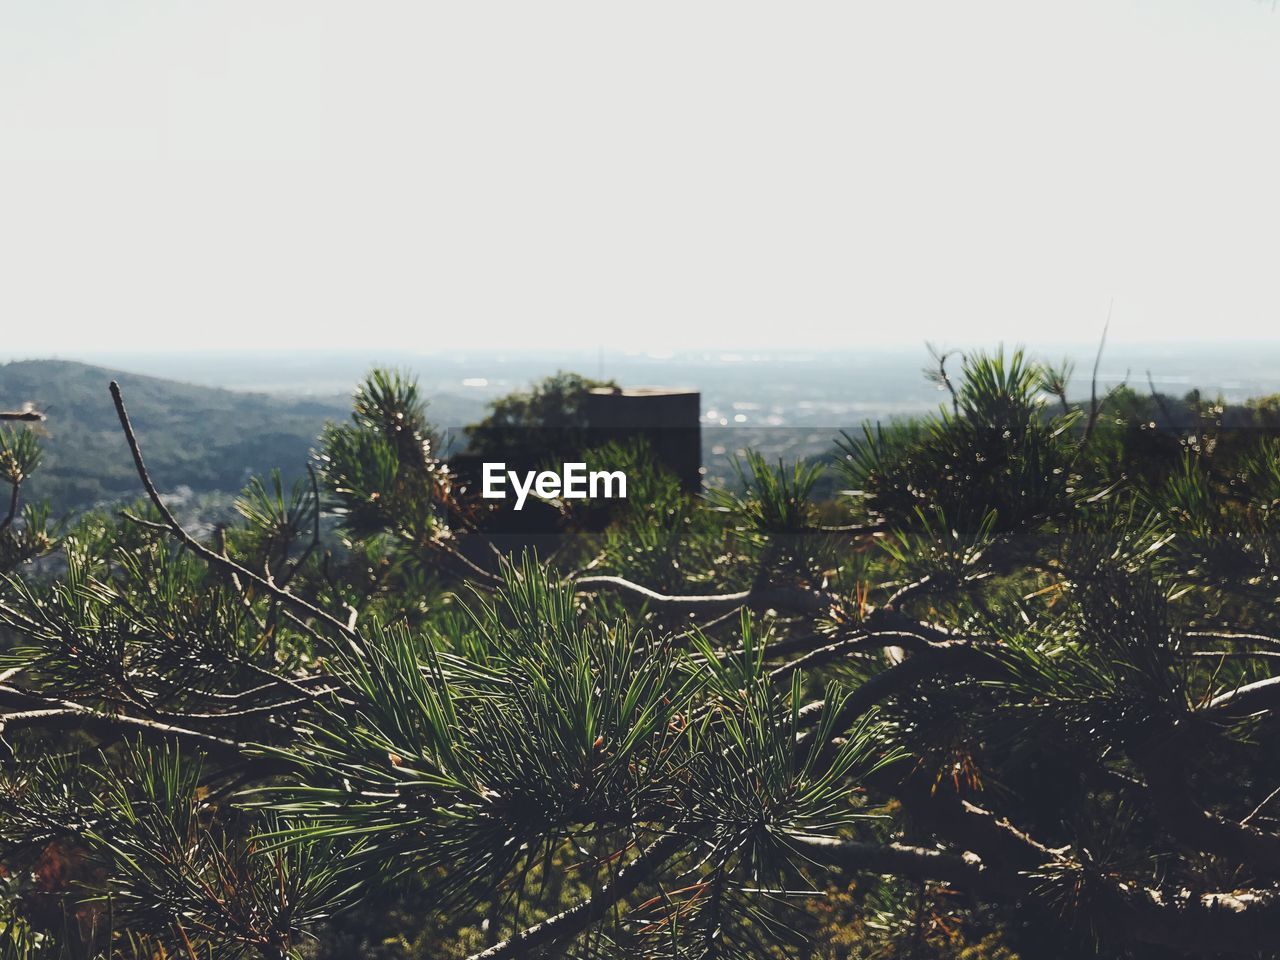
(669, 419)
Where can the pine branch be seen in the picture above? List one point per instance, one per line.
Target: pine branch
(50, 713)
(1179, 919)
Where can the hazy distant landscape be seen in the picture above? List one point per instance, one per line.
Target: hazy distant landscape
(211, 420)
(804, 387)
(199, 437)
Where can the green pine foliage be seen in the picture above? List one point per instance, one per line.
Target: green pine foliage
(1011, 695)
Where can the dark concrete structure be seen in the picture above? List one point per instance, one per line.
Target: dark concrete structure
(670, 420)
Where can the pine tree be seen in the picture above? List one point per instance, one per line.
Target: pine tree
(1019, 698)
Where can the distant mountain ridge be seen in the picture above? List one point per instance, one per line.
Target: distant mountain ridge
(205, 438)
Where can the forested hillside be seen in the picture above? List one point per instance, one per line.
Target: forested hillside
(204, 438)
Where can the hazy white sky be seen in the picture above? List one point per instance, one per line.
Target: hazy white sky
(658, 174)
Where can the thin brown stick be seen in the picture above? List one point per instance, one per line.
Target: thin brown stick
(63, 714)
(204, 552)
(801, 600)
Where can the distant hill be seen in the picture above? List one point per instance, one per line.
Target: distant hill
(207, 439)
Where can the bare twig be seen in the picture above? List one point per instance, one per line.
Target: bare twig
(800, 600)
(1235, 636)
(940, 375)
(63, 714)
(1256, 697)
(853, 529)
(1260, 807)
(900, 860)
(211, 556)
